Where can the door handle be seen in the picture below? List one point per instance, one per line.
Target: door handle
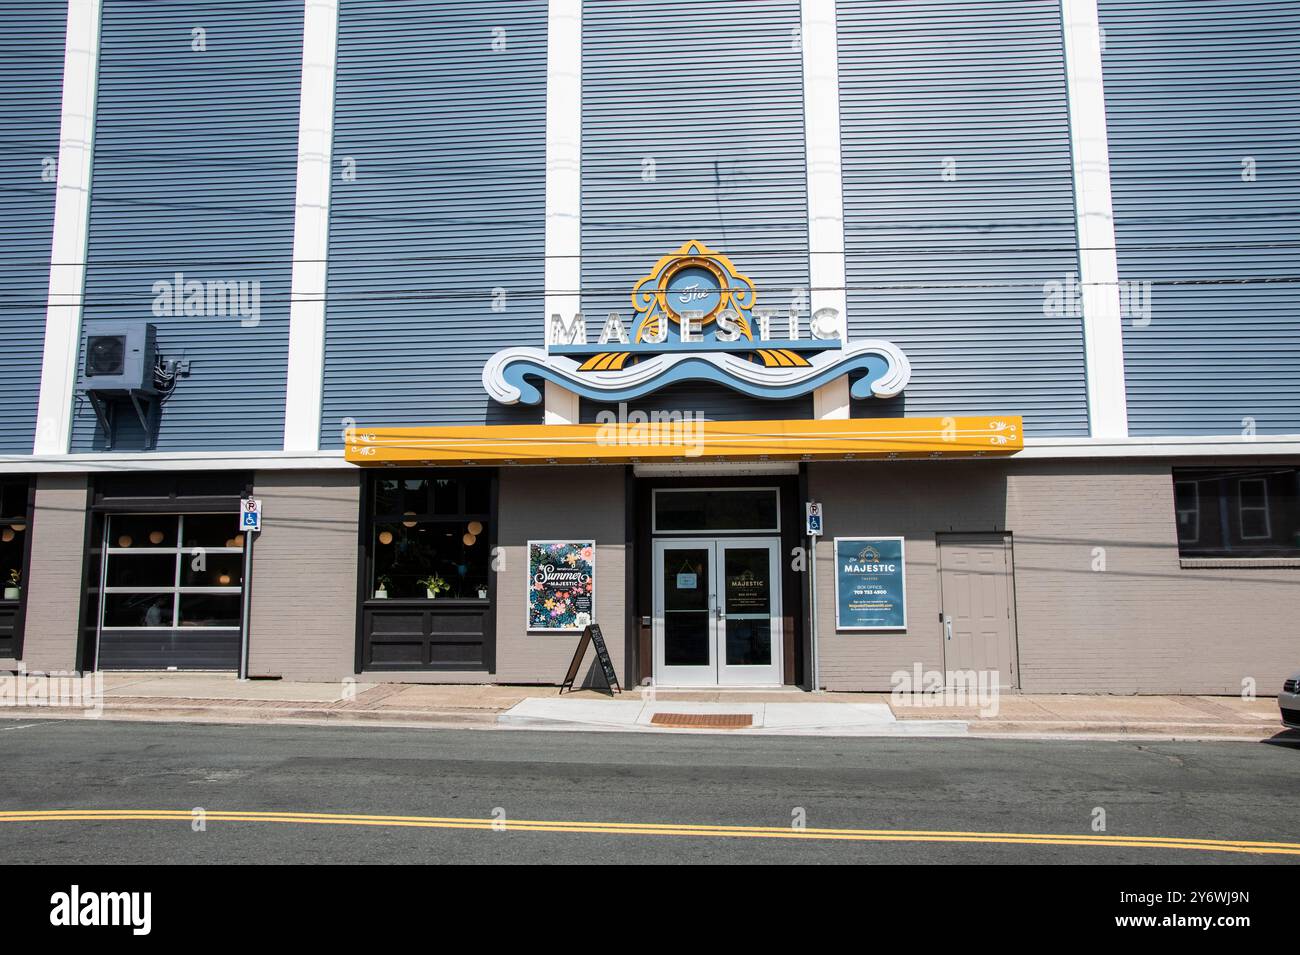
(947, 627)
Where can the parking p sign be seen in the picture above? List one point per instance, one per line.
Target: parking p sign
(250, 514)
(814, 519)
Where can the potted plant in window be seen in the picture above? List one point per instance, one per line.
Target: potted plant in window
(482, 591)
(13, 588)
(434, 585)
(381, 590)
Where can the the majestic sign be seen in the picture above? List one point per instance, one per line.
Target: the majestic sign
(695, 318)
(869, 588)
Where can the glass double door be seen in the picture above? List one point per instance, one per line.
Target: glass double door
(717, 612)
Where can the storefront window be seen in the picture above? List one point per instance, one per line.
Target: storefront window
(716, 509)
(13, 543)
(152, 581)
(1238, 512)
(430, 537)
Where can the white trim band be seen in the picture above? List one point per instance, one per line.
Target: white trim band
(1103, 336)
(306, 361)
(562, 272)
(1039, 449)
(71, 230)
(818, 39)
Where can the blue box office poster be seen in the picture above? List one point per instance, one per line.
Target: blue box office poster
(869, 590)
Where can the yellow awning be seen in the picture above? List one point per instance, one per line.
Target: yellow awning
(689, 440)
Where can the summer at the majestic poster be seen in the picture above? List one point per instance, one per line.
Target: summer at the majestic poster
(562, 579)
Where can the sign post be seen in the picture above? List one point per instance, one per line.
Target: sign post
(250, 522)
(813, 522)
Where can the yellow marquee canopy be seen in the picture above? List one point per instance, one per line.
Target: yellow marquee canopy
(689, 440)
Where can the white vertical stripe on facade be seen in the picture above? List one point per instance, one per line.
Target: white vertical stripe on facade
(821, 105)
(71, 226)
(1098, 265)
(302, 412)
(563, 272)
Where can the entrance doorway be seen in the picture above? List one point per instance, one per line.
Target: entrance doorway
(977, 594)
(717, 611)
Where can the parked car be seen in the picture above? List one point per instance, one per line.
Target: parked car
(1289, 701)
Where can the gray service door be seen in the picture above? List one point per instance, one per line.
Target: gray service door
(977, 605)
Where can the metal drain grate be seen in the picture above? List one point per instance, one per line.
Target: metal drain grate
(713, 721)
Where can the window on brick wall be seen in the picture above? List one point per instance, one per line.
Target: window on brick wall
(430, 535)
(13, 535)
(1238, 512)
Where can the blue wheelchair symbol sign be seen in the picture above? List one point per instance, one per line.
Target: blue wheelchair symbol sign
(250, 515)
(813, 513)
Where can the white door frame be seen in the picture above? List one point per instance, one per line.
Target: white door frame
(717, 672)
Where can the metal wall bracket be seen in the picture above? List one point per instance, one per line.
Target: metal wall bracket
(146, 411)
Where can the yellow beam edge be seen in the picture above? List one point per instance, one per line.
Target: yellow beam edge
(689, 440)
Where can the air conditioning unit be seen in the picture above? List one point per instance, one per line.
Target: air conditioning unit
(119, 358)
(117, 365)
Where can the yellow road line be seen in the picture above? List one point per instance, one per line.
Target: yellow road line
(655, 829)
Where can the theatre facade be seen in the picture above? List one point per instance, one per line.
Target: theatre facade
(350, 340)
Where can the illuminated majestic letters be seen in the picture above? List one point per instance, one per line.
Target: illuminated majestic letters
(695, 319)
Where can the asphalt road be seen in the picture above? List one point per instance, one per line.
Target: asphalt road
(572, 786)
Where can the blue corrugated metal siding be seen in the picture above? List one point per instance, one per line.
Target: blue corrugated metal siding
(692, 128)
(1193, 95)
(194, 173)
(955, 270)
(31, 96)
(440, 112)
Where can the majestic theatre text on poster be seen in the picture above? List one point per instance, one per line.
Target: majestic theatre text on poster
(869, 590)
(561, 585)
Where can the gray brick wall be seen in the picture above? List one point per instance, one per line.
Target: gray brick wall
(575, 503)
(1142, 625)
(54, 579)
(304, 600)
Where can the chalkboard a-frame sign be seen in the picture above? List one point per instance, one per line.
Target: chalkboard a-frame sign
(593, 636)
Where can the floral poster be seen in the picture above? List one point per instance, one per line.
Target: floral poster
(561, 585)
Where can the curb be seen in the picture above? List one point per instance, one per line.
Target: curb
(263, 716)
(483, 718)
(994, 728)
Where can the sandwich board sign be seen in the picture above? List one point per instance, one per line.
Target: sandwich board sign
(592, 635)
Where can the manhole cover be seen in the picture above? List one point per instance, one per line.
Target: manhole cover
(714, 721)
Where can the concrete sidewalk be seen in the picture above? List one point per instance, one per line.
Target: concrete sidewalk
(221, 698)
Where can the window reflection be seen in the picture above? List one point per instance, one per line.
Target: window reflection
(13, 537)
(408, 559)
(156, 562)
(1237, 512)
(430, 536)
